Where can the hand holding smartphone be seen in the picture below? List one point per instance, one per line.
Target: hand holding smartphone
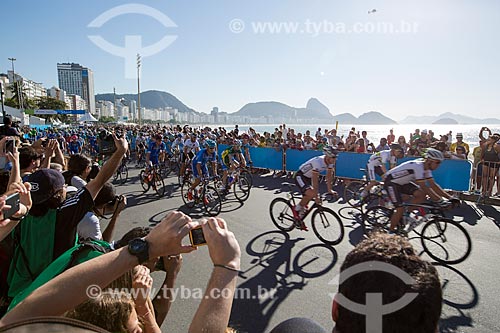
(13, 201)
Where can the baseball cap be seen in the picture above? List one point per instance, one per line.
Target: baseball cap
(44, 184)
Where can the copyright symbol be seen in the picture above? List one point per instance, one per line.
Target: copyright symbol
(236, 26)
(93, 291)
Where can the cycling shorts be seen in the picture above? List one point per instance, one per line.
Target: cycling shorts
(304, 183)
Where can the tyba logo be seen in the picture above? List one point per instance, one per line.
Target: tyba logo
(133, 43)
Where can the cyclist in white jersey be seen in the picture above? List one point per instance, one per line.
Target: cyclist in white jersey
(414, 178)
(307, 176)
(377, 165)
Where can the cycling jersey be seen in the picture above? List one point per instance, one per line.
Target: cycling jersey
(154, 151)
(191, 146)
(382, 157)
(202, 158)
(229, 154)
(408, 172)
(315, 164)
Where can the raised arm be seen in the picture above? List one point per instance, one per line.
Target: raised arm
(109, 168)
(214, 310)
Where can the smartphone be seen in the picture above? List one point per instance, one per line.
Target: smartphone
(9, 146)
(13, 201)
(197, 237)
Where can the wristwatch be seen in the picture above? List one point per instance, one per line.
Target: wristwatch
(139, 248)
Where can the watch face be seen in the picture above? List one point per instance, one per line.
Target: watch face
(137, 245)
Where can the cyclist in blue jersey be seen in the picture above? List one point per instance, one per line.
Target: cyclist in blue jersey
(74, 146)
(199, 165)
(245, 147)
(155, 148)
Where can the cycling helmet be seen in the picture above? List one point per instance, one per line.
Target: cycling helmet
(434, 154)
(179, 135)
(330, 151)
(236, 142)
(158, 137)
(210, 143)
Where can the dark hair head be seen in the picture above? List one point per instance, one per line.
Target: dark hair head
(420, 316)
(53, 203)
(26, 156)
(106, 194)
(78, 163)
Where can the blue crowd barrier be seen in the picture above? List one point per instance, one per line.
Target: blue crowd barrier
(41, 127)
(452, 174)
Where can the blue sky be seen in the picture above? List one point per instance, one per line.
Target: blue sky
(449, 63)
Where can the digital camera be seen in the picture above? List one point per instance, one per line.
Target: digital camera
(106, 143)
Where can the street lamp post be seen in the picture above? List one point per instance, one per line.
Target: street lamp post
(3, 107)
(19, 91)
(138, 88)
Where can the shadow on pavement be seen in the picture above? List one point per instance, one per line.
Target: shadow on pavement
(459, 293)
(258, 297)
(491, 213)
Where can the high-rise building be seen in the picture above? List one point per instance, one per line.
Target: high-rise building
(77, 80)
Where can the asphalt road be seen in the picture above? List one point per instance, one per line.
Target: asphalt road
(289, 275)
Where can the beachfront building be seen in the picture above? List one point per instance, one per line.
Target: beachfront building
(77, 80)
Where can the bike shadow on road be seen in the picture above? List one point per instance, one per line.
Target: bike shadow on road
(459, 294)
(469, 213)
(260, 295)
(490, 212)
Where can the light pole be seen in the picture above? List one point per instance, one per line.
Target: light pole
(138, 88)
(3, 108)
(19, 91)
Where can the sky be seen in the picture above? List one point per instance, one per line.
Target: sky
(442, 55)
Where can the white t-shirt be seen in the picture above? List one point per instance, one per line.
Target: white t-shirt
(89, 227)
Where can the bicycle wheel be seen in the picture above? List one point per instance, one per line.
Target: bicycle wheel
(123, 174)
(247, 175)
(446, 241)
(142, 177)
(212, 201)
(377, 218)
(281, 214)
(158, 184)
(184, 194)
(241, 189)
(351, 193)
(327, 226)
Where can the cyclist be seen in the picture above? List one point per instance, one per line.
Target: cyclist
(246, 148)
(377, 166)
(199, 165)
(307, 177)
(190, 148)
(156, 148)
(232, 157)
(415, 178)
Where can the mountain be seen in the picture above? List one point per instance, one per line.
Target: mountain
(318, 107)
(445, 121)
(314, 110)
(374, 118)
(448, 118)
(345, 118)
(151, 99)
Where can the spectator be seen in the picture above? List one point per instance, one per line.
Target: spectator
(383, 145)
(391, 137)
(8, 130)
(461, 143)
(421, 315)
